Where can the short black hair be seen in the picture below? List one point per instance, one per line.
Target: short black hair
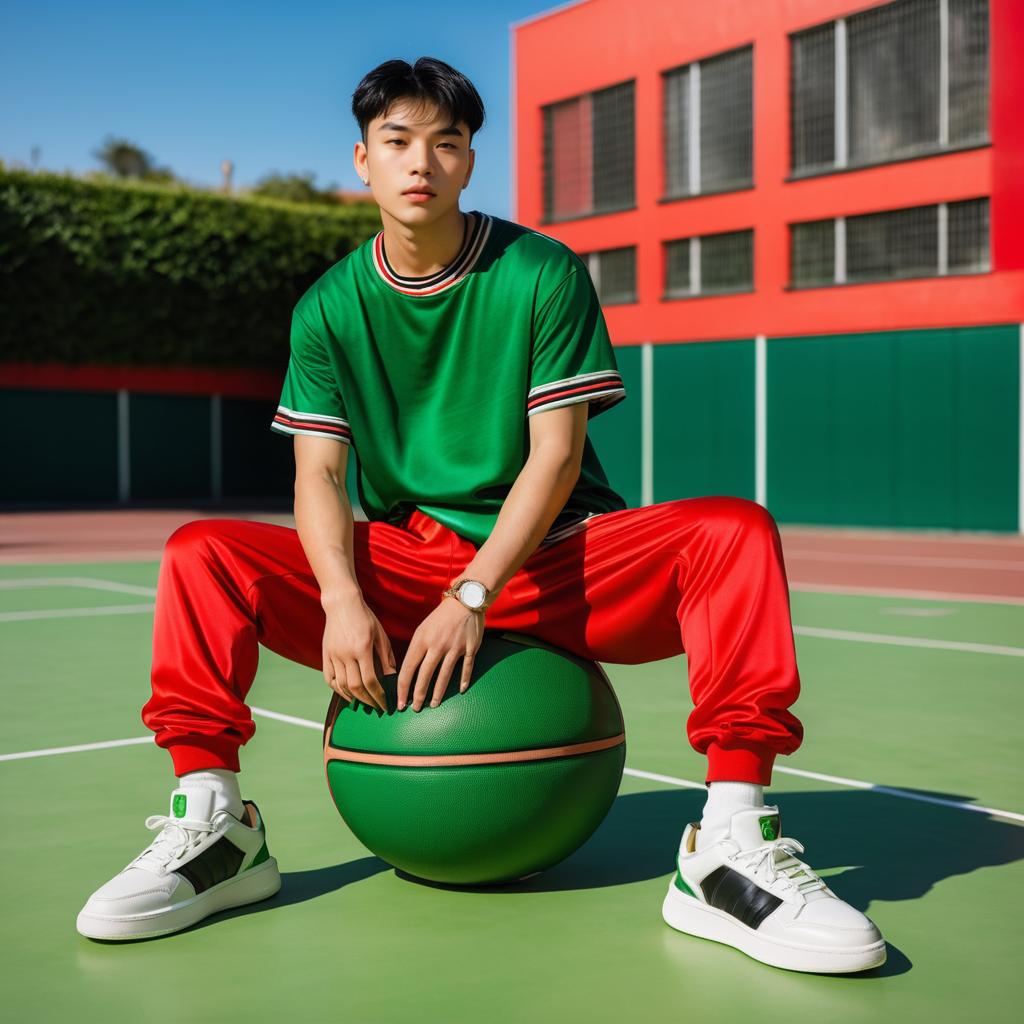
(428, 79)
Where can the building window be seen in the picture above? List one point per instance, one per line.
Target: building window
(903, 80)
(708, 125)
(813, 253)
(922, 241)
(613, 272)
(709, 265)
(589, 154)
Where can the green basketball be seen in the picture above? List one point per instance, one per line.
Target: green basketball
(495, 784)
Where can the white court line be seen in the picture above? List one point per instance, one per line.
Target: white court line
(86, 582)
(47, 751)
(908, 641)
(794, 586)
(77, 613)
(668, 779)
(76, 581)
(825, 634)
(830, 634)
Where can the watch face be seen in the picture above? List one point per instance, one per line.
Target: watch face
(471, 593)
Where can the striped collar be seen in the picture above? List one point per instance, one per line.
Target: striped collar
(475, 237)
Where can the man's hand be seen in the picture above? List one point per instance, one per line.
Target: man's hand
(451, 631)
(353, 638)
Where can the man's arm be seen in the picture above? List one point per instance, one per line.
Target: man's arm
(323, 515)
(540, 491)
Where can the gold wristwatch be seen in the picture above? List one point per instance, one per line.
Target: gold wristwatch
(472, 593)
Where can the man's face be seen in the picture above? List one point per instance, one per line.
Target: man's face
(411, 145)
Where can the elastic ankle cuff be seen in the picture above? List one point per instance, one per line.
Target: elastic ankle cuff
(738, 763)
(195, 753)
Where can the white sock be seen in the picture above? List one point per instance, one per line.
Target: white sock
(724, 800)
(223, 782)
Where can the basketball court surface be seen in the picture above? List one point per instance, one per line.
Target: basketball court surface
(906, 794)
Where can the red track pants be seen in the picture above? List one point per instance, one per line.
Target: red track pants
(704, 576)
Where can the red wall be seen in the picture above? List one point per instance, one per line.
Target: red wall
(172, 380)
(599, 43)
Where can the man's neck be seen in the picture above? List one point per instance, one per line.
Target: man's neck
(418, 252)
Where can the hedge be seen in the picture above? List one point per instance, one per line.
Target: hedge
(154, 275)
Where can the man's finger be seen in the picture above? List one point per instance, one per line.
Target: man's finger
(337, 681)
(467, 671)
(386, 654)
(372, 685)
(429, 663)
(409, 663)
(354, 682)
(443, 678)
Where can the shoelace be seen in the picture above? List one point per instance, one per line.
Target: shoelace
(762, 861)
(172, 842)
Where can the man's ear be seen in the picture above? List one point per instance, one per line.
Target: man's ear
(359, 159)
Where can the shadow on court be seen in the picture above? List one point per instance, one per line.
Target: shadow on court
(871, 847)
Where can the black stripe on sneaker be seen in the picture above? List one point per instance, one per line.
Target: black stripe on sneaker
(217, 862)
(736, 894)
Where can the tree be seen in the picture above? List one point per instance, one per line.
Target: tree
(124, 159)
(295, 188)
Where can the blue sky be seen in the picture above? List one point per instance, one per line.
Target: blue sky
(267, 85)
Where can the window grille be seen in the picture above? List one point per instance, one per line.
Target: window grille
(716, 264)
(813, 93)
(921, 241)
(814, 253)
(902, 80)
(897, 243)
(677, 268)
(708, 124)
(613, 272)
(967, 249)
(589, 154)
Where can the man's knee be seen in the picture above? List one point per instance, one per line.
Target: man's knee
(743, 513)
(195, 535)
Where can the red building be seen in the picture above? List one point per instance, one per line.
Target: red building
(803, 222)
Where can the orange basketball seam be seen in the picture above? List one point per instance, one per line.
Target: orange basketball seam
(441, 760)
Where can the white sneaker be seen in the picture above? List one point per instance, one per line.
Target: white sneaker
(201, 862)
(749, 891)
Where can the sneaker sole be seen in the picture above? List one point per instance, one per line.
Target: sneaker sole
(249, 887)
(688, 915)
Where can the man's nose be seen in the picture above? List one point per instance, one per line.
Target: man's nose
(419, 157)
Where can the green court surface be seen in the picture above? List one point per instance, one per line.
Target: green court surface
(899, 739)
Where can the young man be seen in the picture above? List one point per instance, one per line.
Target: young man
(462, 355)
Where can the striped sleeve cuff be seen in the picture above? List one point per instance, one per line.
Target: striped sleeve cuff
(603, 387)
(288, 421)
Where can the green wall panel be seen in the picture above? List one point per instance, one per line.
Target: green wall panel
(256, 462)
(615, 434)
(703, 420)
(169, 438)
(69, 452)
(903, 428)
(916, 429)
(987, 456)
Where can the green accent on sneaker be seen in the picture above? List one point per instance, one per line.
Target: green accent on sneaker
(769, 826)
(261, 856)
(680, 884)
(179, 805)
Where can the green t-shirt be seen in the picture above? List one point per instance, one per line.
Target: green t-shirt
(433, 379)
